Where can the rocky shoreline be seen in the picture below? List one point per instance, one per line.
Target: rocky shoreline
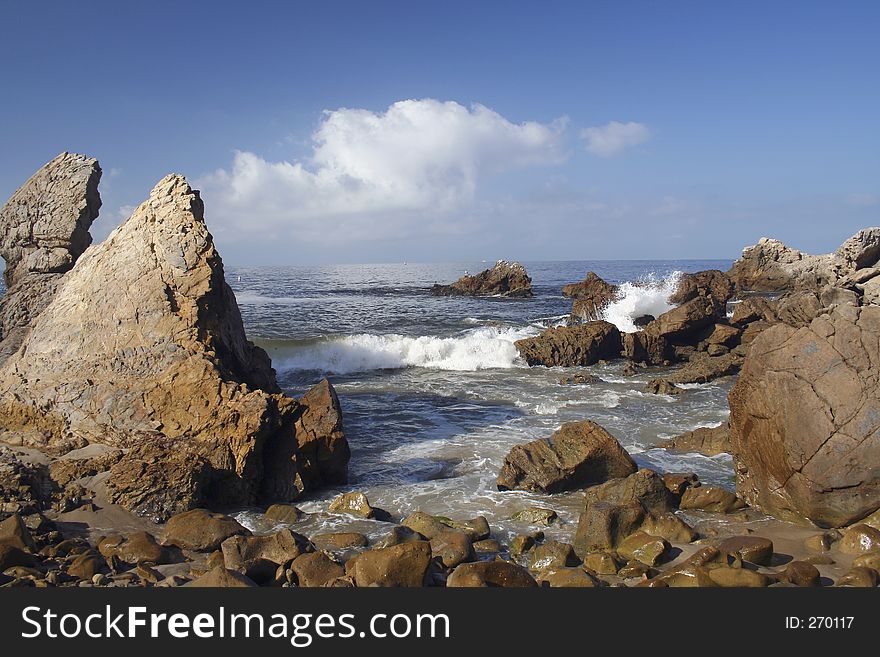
(133, 411)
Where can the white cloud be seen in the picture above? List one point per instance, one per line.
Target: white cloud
(612, 138)
(377, 174)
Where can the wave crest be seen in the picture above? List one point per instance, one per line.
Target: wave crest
(649, 296)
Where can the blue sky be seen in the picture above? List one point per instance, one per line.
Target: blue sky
(434, 131)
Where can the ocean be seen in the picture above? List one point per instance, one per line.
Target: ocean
(433, 392)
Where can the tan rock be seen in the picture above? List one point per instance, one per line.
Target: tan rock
(221, 577)
(452, 548)
(647, 549)
(201, 530)
(859, 539)
(710, 498)
(316, 569)
(572, 346)
(491, 574)
(404, 565)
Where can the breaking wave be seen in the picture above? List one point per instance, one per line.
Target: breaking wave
(476, 349)
(649, 296)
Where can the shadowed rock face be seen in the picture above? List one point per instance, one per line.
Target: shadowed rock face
(44, 228)
(143, 347)
(591, 296)
(805, 418)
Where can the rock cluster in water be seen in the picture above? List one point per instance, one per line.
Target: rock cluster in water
(504, 279)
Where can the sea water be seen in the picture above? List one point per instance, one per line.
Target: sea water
(434, 394)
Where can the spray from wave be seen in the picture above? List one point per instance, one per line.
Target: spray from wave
(649, 296)
(476, 349)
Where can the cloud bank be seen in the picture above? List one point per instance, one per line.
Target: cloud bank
(614, 137)
(374, 174)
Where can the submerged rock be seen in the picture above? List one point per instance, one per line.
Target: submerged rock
(577, 455)
(143, 348)
(805, 419)
(504, 279)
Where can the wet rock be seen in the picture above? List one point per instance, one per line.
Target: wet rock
(703, 440)
(430, 526)
(339, 541)
(738, 578)
(868, 560)
(536, 516)
(284, 513)
(580, 379)
(201, 530)
(577, 455)
(803, 419)
(860, 577)
(221, 577)
(487, 546)
(553, 554)
(670, 527)
(635, 568)
(686, 319)
(404, 565)
(822, 542)
(691, 576)
(601, 563)
(452, 548)
(662, 387)
(355, 504)
(859, 538)
(572, 346)
(710, 498)
(642, 547)
(567, 578)
(754, 549)
(678, 482)
(603, 525)
(504, 279)
(591, 296)
(724, 335)
(801, 573)
(521, 544)
(644, 487)
(316, 569)
(491, 574)
(397, 535)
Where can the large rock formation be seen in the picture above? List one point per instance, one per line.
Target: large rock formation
(143, 348)
(44, 228)
(577, 455)
(571, 346)
(504, 279)
(771, 266)
(591, 296)
(710, 283)
(805, 418)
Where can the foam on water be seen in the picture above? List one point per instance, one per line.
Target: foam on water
(649, 296)
(475, 349)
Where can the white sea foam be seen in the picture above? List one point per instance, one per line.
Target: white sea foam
(476, 349)
(646, 297)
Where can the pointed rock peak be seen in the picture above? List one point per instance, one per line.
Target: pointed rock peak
(44, 226)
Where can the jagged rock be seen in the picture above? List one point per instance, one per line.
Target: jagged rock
(753, 309)
(798, 308)
(44, 228)
(702, 368)
(143, 347)
(572, 346)
(685, 319)
(724, 334)
(504, 279)
(591, 296)
(711, 283)
(703, 440)
(771, 266)
(804, 419)
(861, 250)
(14, 532)
(576, 455)
(645, 347)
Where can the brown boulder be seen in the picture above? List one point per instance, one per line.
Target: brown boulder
(258, 557)
(683, 320)
(491, 574)
(404, 565)
(711, 283)
(860, 539)
(221, 577)
(572, 346)
(603, 525)
(201, 530)
(709, 441)
(504, 279)
(754, 549)
(452, 548)
(14, 532)
(644, 487)
(710, 498)
(136, 548)
(860, 577)
(771, 266)
(284, 513)
(576, 455)
(315, 569)
(804, 419)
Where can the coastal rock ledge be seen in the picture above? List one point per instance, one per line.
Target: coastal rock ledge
(142, 349)
(504, 279)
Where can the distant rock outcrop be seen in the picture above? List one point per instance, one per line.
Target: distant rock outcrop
(44, 228)
(142, 347)
(504, 279)
(805, 418)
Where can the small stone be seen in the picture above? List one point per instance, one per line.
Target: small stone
(535, 515)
